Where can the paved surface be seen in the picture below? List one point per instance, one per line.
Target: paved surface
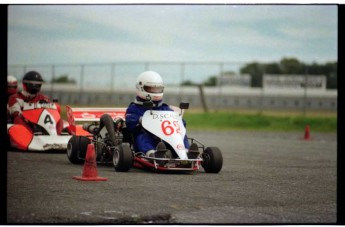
(266, 178)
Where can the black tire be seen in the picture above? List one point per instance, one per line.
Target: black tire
(76, 149)
(212, 160)
(122, 158)
(108, 123)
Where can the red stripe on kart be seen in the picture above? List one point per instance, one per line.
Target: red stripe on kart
(149, 164)
(32, 115)
(137, 165)
(140, 163)
(55, 114)
(20, 136)
(144, 162)
(78, 130)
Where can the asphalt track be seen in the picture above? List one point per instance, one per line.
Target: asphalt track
(267, 178)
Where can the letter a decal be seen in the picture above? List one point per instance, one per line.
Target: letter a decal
(47, 119)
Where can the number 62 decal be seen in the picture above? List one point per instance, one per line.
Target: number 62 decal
(169, 129)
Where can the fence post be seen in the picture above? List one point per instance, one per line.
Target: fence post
(112, 77)
(81, 79)
(202, 98)
(262, 98)
(219, 101)
(305, 89)
(182, 72)
(53, 78)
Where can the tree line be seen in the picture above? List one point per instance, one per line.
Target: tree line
(287, 66)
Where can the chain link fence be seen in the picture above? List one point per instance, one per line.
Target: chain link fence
(114, 84)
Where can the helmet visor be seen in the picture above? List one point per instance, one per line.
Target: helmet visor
(33, 87)
(12, 86)
(154, 90)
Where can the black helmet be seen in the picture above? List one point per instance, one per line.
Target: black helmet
(32, 82)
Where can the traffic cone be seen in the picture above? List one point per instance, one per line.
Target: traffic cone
(90, 167)
(307, 133)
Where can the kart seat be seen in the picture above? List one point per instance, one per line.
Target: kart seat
(127, 136)
(120, 126)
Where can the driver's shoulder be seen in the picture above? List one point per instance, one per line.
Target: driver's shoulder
(134, 108)
(42, 96)
(18, 94)
(166, 107)
(14, 98)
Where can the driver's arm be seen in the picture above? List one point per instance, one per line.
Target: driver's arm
(15, 106)
(132, 118)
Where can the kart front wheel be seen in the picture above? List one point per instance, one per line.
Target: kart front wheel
(76, 149)
(122, 158)
(212, 160)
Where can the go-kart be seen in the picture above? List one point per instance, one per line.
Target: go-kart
(114, 144)
(42, 134)
(84, 134)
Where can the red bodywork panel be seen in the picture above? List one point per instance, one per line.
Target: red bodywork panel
(22, 142)
(142, 163)
(75, 115)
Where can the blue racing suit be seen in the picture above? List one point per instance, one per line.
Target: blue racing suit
(144, 140)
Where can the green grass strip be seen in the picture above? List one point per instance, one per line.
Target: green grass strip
(239, 121)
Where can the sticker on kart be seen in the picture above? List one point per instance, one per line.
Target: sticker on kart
(168, 126)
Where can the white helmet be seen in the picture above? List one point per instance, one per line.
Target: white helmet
(12, 84)
(150, 86)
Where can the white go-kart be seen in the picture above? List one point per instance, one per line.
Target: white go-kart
(115, 144)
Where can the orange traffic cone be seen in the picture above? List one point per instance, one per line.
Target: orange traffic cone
(90, 167)
(307, 133)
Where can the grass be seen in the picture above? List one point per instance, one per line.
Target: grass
(260, 121)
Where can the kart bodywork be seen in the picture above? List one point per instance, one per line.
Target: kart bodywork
(42, 118)
(106, 128)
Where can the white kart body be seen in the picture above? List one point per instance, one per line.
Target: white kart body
(168, 126)
(44, 118)
(44, 142)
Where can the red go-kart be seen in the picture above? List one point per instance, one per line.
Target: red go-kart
(42, 134)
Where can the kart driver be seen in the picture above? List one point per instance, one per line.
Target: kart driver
(32, 82)
(150, 87)
(12, 87)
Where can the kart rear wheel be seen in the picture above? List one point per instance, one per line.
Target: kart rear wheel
(122, 158)
(76, 149)
(212, 160)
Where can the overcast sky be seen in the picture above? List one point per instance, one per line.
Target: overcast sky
(59, 34)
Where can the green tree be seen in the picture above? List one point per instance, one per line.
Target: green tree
(292, 66)
(329, 70)
(212, 81)
(272, 68)
(63, 79)
(256, 71)
(188, 83)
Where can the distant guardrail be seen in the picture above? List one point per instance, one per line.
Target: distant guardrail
(215, 98)
(112, 84)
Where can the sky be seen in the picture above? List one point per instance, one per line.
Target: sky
(61, 34)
